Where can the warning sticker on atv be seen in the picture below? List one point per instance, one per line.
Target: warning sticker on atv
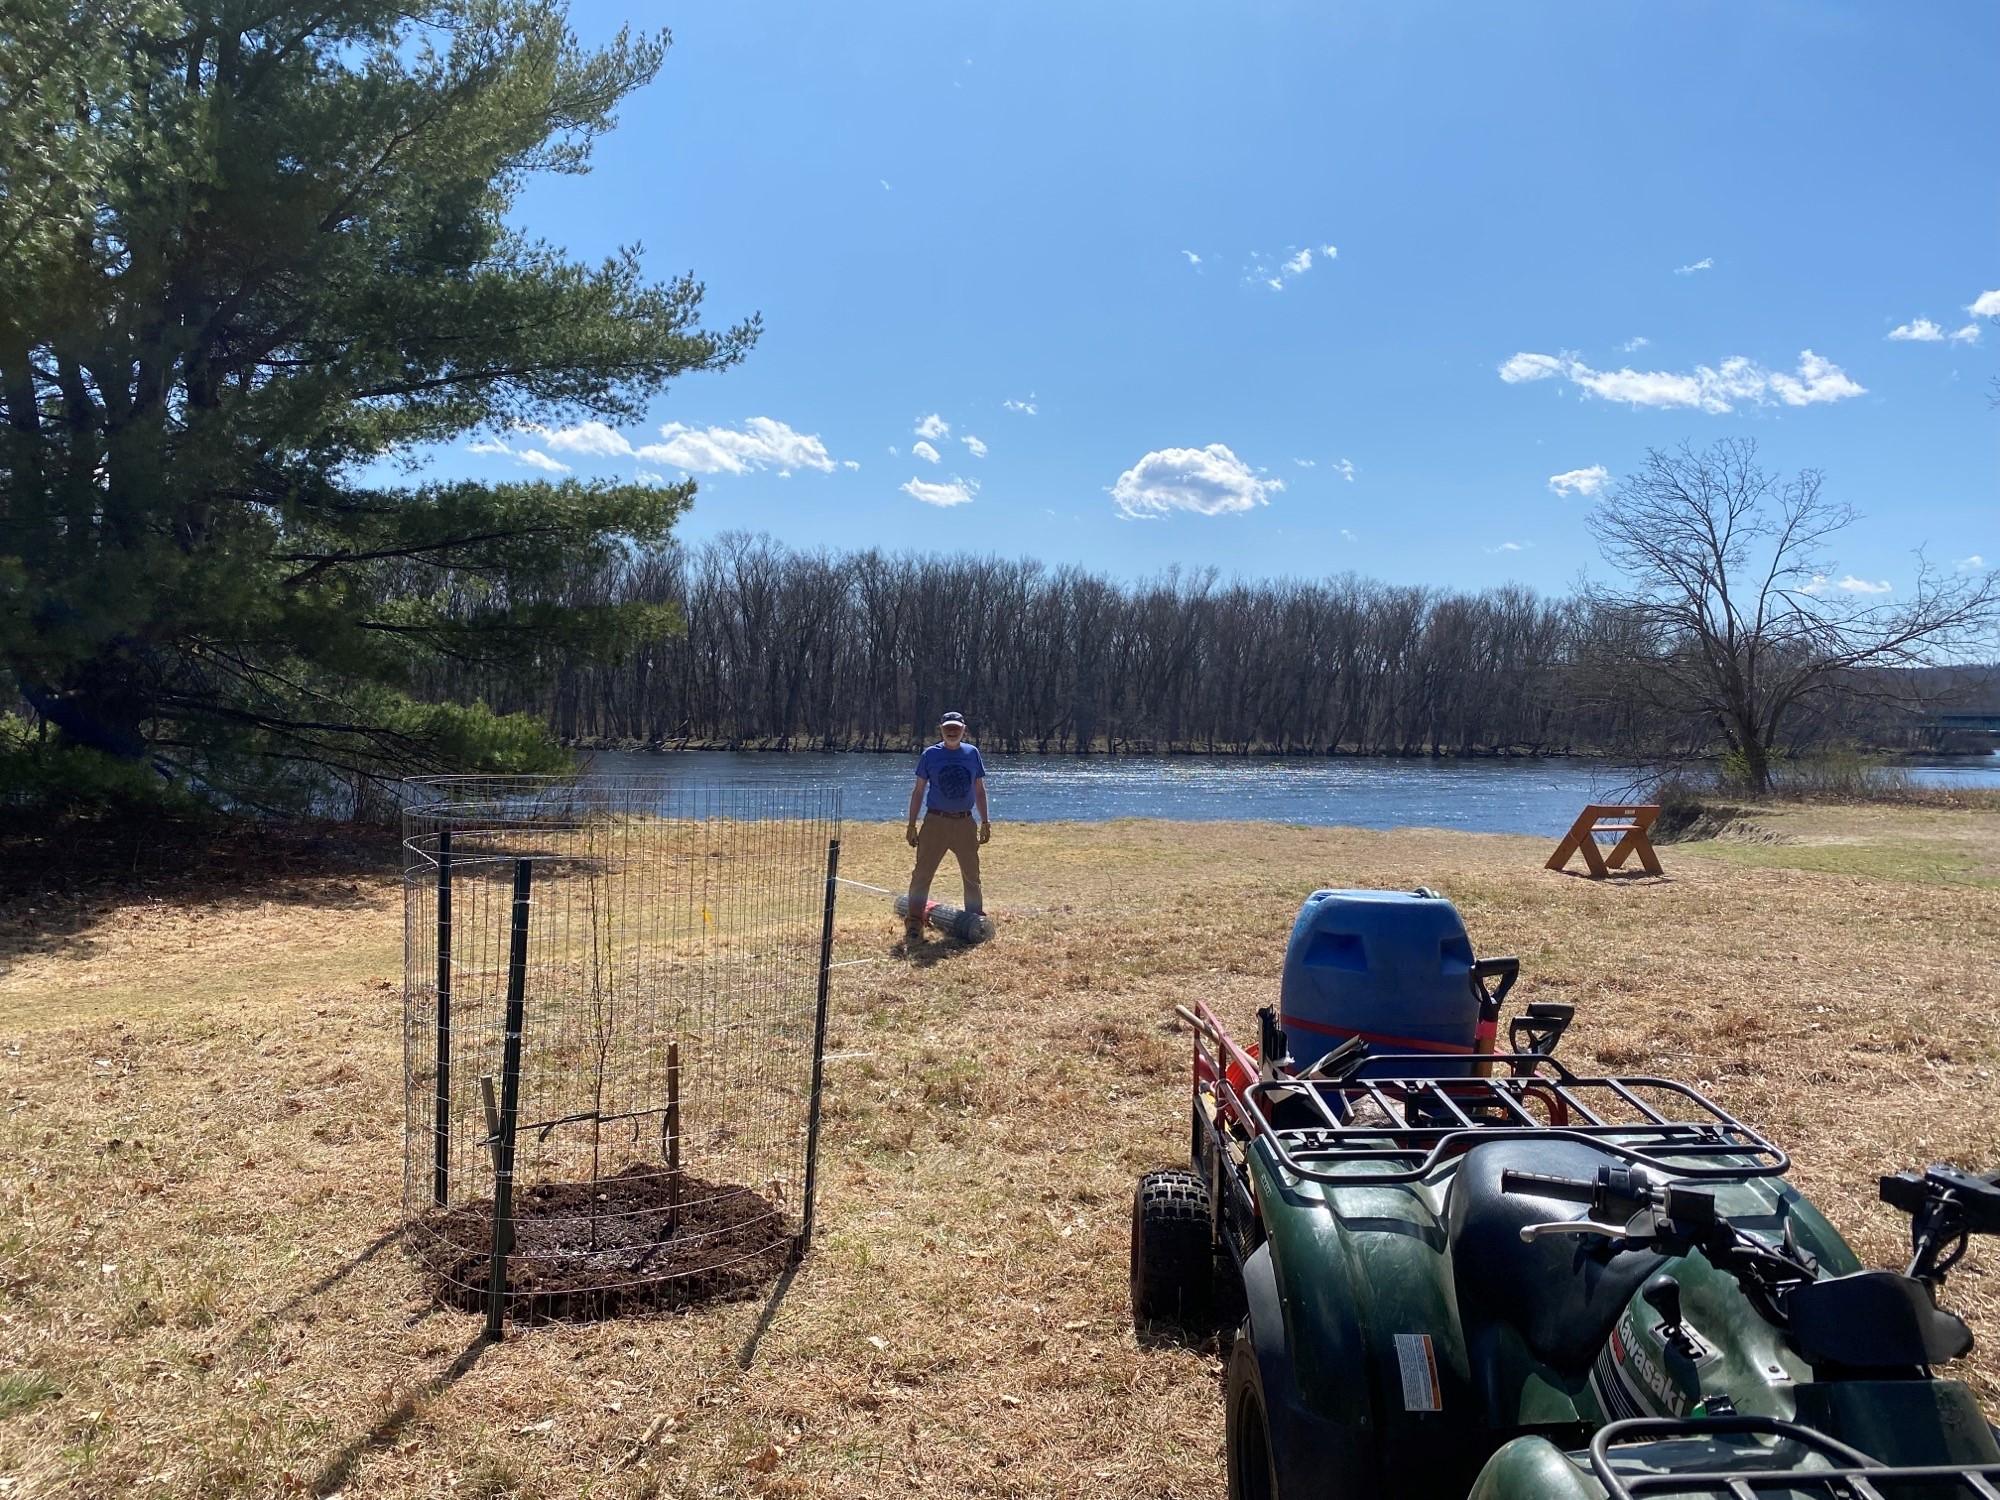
(1420, 1372)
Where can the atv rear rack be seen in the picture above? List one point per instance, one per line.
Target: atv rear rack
(1849, 1474)
(1386, 1130)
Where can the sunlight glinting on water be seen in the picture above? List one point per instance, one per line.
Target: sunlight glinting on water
(1488, 796)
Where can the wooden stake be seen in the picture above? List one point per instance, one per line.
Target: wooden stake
(672, 1127)
(492, 1119)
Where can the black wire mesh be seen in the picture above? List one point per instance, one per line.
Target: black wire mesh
(668, 997)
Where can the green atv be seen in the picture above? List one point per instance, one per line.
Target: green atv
(1496, 1279)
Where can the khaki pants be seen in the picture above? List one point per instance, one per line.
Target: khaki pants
(959, 836)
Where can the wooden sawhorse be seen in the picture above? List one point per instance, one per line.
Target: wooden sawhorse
(1632, 821)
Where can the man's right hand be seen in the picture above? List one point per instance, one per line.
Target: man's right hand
(910, 835)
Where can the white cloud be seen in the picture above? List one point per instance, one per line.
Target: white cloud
(1306, 463)
(1530, 367)
(1345, 469)
(1511, 547)
(976, 448)
(1985, 305)
(957, 492)
(885, 184)
(1970, 564)
(1347, 535)
(528, 458)
(1192, 258)
(924, 451)
(1025, 408)
(933, 426)
(1209, 481)
(1634, 344)
(1855, 585)
(591, 438)
(1969, 334)
(1711, 389)
(1706, 263)
(848, 463)
(1296, 264)
(761, 443)
(1918, 331)
(1816, 380)
(1584, 482)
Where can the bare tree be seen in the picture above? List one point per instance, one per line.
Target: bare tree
(1730, 611)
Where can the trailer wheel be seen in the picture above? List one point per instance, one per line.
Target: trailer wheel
(1173, 1257)
(1253, 1467)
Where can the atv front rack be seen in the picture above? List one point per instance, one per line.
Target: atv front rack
(1838, 1473)
(1375, 1131)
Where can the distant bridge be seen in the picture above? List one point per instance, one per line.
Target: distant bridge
(1967, 720)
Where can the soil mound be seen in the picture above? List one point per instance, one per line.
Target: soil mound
(612, 1248)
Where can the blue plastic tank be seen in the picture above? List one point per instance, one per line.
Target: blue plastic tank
(1394, 967)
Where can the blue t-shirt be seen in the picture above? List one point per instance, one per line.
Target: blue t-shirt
(949, 775)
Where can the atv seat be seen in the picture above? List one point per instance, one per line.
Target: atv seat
(1559, 1295)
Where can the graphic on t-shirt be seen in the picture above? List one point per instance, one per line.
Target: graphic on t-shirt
(954, 781)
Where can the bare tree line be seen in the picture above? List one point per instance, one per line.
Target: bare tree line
(862, 651)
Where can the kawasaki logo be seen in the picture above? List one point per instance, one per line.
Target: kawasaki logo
(1641, 1371)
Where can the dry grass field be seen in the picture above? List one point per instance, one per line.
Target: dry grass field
(202, 1293)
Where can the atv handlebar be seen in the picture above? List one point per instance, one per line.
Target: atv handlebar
(1947, 1206)
(1566, 1189)
(1617, 1193)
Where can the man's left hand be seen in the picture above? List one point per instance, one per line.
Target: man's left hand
(986, 830)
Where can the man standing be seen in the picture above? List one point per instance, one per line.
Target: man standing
(950, 786)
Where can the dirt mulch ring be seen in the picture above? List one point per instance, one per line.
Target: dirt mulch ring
(610, 1249)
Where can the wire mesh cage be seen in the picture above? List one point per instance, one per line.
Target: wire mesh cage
(614, 1020)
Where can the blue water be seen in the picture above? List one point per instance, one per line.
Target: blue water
(1488, 796)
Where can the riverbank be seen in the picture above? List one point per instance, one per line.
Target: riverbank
(201, 1138)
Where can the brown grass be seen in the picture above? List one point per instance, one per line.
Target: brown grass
(200, 1147)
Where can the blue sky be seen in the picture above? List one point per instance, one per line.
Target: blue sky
(1473, 217)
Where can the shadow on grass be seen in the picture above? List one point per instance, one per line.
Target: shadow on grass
(340, 1468)
(747, 1355)
(1620, 877)
(334, 1277)
(1156, 1336)
(63, 884)
(924, 953)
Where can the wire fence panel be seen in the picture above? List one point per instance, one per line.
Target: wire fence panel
(664, 949)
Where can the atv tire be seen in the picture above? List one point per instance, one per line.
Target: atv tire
(1248, 1451)
(1173, 1253)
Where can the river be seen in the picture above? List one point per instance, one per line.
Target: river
(1487, 796)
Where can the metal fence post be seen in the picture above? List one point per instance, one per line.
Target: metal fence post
(441, 1113)
(510, 1104)
(819, 1048)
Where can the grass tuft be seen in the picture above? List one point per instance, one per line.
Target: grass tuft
(24, 1390)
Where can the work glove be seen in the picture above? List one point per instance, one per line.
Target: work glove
(986, 830)
(910, 835)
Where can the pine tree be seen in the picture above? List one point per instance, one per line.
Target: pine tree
(253, 253)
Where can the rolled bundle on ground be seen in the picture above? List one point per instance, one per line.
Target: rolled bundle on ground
(966, 926)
